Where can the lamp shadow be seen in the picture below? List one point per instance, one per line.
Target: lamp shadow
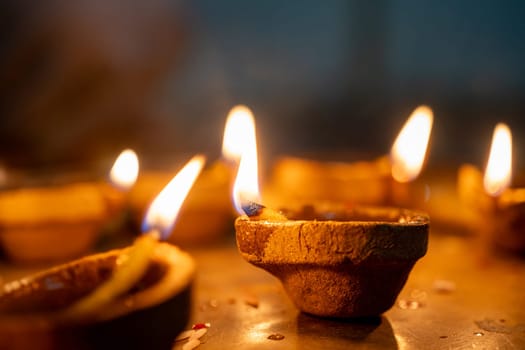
(366, 333)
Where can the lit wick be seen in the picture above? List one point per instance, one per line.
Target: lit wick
(499, 209)
(134, 261)
(243, 144)
(258, 211)
(328, 267)
(252, 208)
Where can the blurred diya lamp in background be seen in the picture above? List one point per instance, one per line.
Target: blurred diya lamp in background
(500, 209)
(306, 180)
(132, 298)
(442, 202)
(384, 181)
(55, 222)
(333, 260)
(210, 197)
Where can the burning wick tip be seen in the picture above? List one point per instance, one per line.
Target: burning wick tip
(155, 234)
(253, 209)
(258, 211)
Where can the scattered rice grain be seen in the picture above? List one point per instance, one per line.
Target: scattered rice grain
(199, 333)
(408, 304)
(200, 325)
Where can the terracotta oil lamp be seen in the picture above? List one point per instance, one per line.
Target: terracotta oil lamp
(137, 297)
(387, 180)
(59, 222)
(333, 260)
(499, 208)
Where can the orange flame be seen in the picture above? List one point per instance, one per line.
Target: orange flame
(498, 172)
(164, 209)
(125, 170)
(410, 147)
(246, 186)
(238, 133)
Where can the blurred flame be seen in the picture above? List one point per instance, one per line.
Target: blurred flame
(3, 176)
(246, 186)
(164, 209)
(410, 147)
(239, 132)
(125, 169)
(499, 166)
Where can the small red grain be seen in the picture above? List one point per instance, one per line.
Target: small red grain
(197, 326)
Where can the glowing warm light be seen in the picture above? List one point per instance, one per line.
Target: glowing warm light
(3, 176)
(246, 186)
(410, 147)
(125, 169)
(499, 166)
(239, 132)
(164, 209)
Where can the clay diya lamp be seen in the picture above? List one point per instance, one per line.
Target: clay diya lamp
(137, 297)
(57, 221)
(34, 310)
(305, 180)
(333, 262)
(384, 181)
(50, 223)
(500, 209)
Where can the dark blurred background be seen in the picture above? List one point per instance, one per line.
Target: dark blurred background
(80, 80)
